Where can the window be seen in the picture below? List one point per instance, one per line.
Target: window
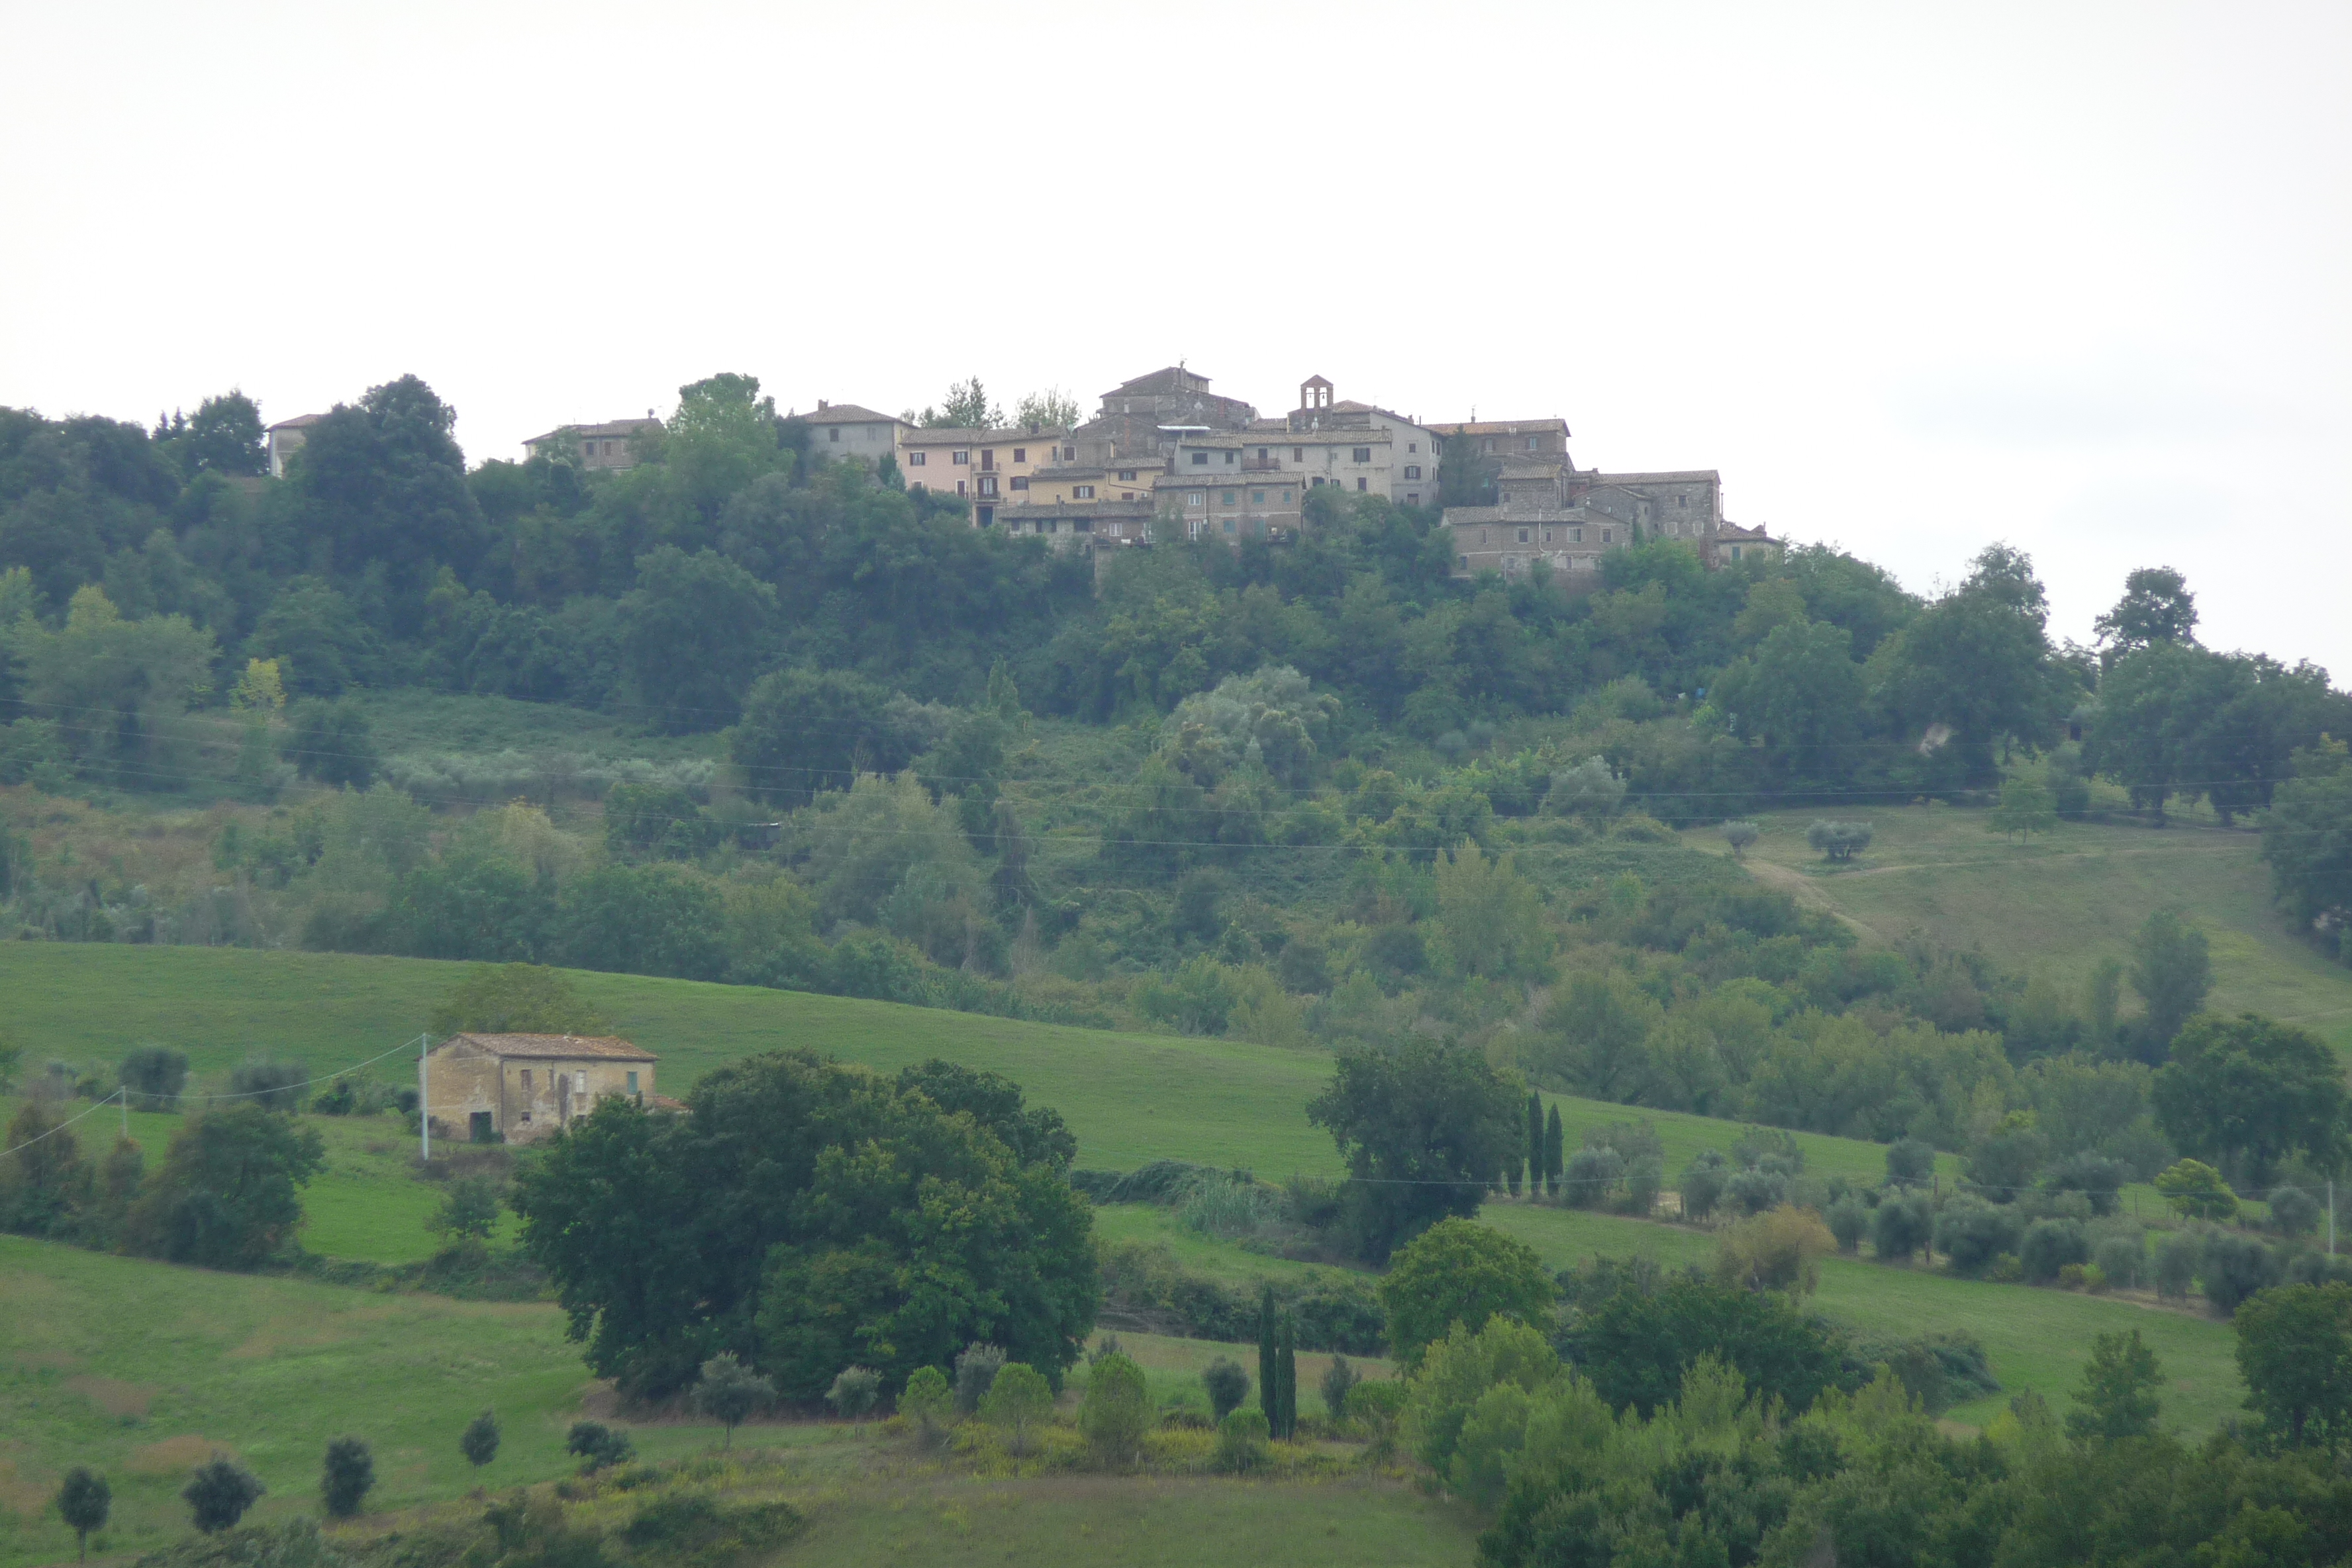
(1298, 454)
(587, 448)
(917, 460)
(1682, 503)
(1020, 454)
(579, 1083)
(1228, 498)
(1463, 561)
(1363, 484)
(1261, 454)
(1531, 443)
(526, 1081)
(1412, 470)
(1413, 498)
(1606, 535)
(988, 484)
(1231, 458)
(1201, 458)
(1576, 536)
(1126, 495)
(834, 433)
(1735, 553)
(632, 1083)
(608, 448)
(1485, 446)
(1363, 454)
(1412, 446)
(1257, 498)
(1020, 481)
(1229, 525)
(959, 487)
(959, 458)
(1286, 497)
(1547, 536)
(1482, 536)
(1082, 492)
(1523, 536)
(1128, 475)
(987, 515)
(1196, 498)
(988, 459)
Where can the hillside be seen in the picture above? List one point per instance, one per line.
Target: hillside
(2057, 905)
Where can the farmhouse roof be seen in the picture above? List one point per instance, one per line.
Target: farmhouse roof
(844, 413)
(610, 427)
(557, 1047)
(299, 421)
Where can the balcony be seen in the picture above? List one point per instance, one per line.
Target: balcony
(1262, 465)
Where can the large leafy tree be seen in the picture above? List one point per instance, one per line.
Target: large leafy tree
(693, 631)
(223, 436)
(225, 1197)
(1424, 1128)
(1978, 663)
(805, 731)
(808, 1216)
(2251, 1088)
(383, 484)
(1637, 1342)
(112, 684)
(2176, 719)
(2295, 1352)
(2307, 838)
(2156, 607)
(1460, 1272)
(1799, 697)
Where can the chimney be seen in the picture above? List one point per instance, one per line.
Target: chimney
(822, 405)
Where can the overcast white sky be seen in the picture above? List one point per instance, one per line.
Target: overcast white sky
(1913, 278)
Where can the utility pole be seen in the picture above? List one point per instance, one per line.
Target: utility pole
(2331, 1216)
(122, 1095)
(423, 1101)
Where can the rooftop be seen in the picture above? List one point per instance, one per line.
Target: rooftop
(1168, 378)
(1503, 427)
(299, 422)
(556, 1048)
(961, 435)
(844, 414)
(610, 427)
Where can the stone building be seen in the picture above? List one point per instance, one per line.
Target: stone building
(516, 1088)
(992, 468)
(846, 430)
(609, 447)
(285, 439)
(1546, 510)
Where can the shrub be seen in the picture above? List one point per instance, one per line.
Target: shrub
(728, 1392)
(468, 1210)
(1459, 1271)
(856, 1391)
(1753, 1192)
(1778, 1250)
(598, 1446)
(1739, 835)
(153, 1076)
(2294, 1212)
(2098, 1178)
(1839, 840)
(2234, 1268)
(2177, 1257)
(1591, 1174)
(1338, 1379)
(219, 1492)
(84, 1500)
(1849, 1221)
(479, 1441)
(927, 1401)
(1702, 1182)
(1117, 1412)
(2050, 1245)
(273, 1086)
(1644, 1177)
(1901, 1225)
(1972, 1232)
(1227, 1385)
(1242, 1440)
(2196, 1190)
(1017, 1400)
(1910, 1163)
(2122, 1259)
(975, 1369)
(347, 1477)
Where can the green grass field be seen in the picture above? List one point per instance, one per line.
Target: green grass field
(2058, 905)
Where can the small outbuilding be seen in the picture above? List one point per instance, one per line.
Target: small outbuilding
(514, 1089)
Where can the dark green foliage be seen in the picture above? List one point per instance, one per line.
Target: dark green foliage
(804, 732)
(84, 1500)
(1226, 1385)
(698, 1532)
(1269, 1362)
(2117, 1397)
(1035, 1134)
(273, 1086)
(2295, 1352)
(2252, 1089)
(479, 1441)
(659, 821)
(1459, 1271)
(45, 1183)
(2232, 1267)
(1910, 1163)
(2098, 1178)
(1332, 1314)
(597, 1445)
(1424, 1129)
(1635, 1339)
(154, 1076)
(1849, 1221)
(2171, 971)
(1535, 1150)
(797, 1202)
(1285, 1364)
(1839, 840)
(2308, 839)
(643, 920)
(225, 1195)
(1972, 1232)
(2294, 1212)
(1158, 1181)
(1339, 1380)
(1900, 1226)
(219, 1492)
(1554, 1164)
(1702, 1184)
(515, 999)
(976, 1366)
(2049, 1246)
(692, 633)
(468, 1211)
(346, 1478)
(332, 743)
(1938, 1370)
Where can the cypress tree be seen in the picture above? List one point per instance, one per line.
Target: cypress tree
(1535, 1143)
(1511, 1173)
(1289, 1368)
(1553, 1163)
(1269, 1364)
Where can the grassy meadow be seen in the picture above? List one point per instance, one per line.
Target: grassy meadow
(2058, 904)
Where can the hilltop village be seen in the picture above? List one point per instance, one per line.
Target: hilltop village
(1165, 457)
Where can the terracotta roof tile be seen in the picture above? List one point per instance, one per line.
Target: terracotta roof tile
(557, 1047)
